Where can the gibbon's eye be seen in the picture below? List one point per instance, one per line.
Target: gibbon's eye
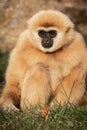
(52, 33)
(42, 33)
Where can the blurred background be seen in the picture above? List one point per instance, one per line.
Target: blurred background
(14, 14)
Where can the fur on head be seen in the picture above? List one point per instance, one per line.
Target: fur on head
(51, 20)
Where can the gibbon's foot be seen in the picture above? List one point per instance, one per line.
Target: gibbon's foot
(8, 107)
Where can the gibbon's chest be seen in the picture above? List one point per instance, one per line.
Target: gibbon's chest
(55, 73)
(54, 67)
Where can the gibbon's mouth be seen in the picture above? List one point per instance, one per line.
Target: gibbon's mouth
(47, 43)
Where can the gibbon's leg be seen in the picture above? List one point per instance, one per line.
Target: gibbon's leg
(36, 89)
(71, 89)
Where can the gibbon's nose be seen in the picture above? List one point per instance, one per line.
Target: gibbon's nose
(47, 42)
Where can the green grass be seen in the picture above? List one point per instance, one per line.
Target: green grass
(61, 118)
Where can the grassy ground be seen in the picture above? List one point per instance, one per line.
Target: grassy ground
(61, 118)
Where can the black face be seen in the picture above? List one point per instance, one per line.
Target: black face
(47, 37)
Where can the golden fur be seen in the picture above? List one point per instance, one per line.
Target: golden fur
(36, 75)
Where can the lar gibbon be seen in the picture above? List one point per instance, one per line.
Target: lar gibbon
(48, 64)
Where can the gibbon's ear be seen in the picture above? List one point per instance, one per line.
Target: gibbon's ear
(68, 29)
(70, 25)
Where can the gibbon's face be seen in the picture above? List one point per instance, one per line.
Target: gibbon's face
(50, 30)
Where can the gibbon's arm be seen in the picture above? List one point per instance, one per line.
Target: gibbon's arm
(15, 70)
(14, 75)
(11, 92)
